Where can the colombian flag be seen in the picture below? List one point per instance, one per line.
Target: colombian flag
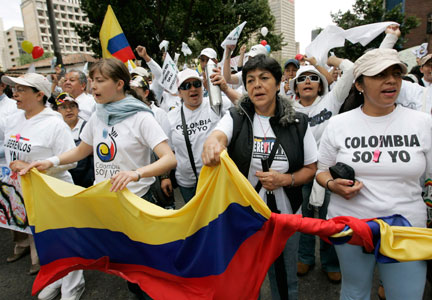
(113, 40)
(218, 246)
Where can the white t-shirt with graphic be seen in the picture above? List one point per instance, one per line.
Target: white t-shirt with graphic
(389, 155)
(264, 139)
(200, 123)
(40, 137)
(124, 146)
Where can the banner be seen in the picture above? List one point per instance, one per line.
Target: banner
(12, 210)
(169, 75)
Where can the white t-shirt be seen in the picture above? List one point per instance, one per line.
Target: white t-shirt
(280, 163)
(169, 101)
(76, 130)
(38, 138)
(162, 118)
(7, 107)
(328, 105)
(391, 185)
(124, 146)
(87, 106)
(200, 123)
(415, 96)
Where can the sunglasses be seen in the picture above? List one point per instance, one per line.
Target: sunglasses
(312, 78)
(187, 85)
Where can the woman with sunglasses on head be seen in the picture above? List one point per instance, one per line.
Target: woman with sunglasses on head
(35, 133)
(388, 165)
(264, 124)
(314, 100)
(194, 119)
(83, 174)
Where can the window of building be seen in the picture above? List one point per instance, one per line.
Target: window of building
(13, 59)
(11, 53)
(10, 46)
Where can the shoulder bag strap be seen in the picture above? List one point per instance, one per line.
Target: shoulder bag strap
(188, 144)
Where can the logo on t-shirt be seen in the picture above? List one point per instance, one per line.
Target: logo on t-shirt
(17, 144)
(263, 147)
(104, 152)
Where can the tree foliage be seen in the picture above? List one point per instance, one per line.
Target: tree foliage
(200, 23)
(367, 12)
(27, 58)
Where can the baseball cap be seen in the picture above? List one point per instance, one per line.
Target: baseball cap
(309, 69)
(209, 52)
(375, 61)
(139, 81)
(299, 57)
(30, 79)
(187, 74)
(62, 97)
(256, 50)
(140, 71)
(292, 61)
(425, 59)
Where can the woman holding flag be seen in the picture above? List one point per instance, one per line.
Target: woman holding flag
(274, 148)
(394, 154)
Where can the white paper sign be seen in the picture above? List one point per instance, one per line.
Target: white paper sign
(234, 35)
(185, 49)
(169, 75)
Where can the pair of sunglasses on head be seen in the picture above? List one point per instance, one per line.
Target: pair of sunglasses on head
(187, 85)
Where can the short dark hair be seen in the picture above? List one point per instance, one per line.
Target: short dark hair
(262, 62)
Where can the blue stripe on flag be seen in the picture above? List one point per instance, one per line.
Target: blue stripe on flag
(117, 43)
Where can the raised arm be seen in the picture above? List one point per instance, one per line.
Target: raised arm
(227, 66)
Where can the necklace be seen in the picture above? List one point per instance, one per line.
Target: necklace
(377, 152)
(266, 144)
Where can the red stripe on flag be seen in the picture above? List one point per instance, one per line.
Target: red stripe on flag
(124, 54)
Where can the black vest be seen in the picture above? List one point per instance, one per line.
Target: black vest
(290, 138)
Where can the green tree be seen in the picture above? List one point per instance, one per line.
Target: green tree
(200, 23)
(367, 12)
(27, 58)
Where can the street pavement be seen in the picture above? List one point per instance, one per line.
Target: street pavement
(15, 284)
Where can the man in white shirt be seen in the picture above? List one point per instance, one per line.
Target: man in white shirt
(75, 84)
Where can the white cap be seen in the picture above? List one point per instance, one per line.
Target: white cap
(30, 79)
(256, 50)
(425, 59)
(187, 74)
(375, 61)
(309, 69)
(141, 72)
(209, 52)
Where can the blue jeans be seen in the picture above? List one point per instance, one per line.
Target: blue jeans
(329, 260)
(290, 258)
(187, 192)
(401, 280)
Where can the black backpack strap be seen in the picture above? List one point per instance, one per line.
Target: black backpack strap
(188, 144)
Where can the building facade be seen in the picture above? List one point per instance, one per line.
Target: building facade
(421, 9)
(2, 47)
(14, 36)
(284, 13)
(67, 13)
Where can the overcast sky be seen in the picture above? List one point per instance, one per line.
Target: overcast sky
(309, 15)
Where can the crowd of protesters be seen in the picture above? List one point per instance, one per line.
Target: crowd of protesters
(301, 119)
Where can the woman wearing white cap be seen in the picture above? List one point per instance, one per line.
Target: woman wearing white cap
(194, 119)
(389, 148)
(35, 133)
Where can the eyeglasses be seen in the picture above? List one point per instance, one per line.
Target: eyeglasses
(312, 78)
(19, 89)
(187, 85)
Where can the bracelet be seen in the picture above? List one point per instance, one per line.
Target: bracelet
(139, 176)
(55, 160)
(327, 183)
(292, 180)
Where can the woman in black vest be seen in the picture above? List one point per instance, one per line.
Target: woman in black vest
(272, 146)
